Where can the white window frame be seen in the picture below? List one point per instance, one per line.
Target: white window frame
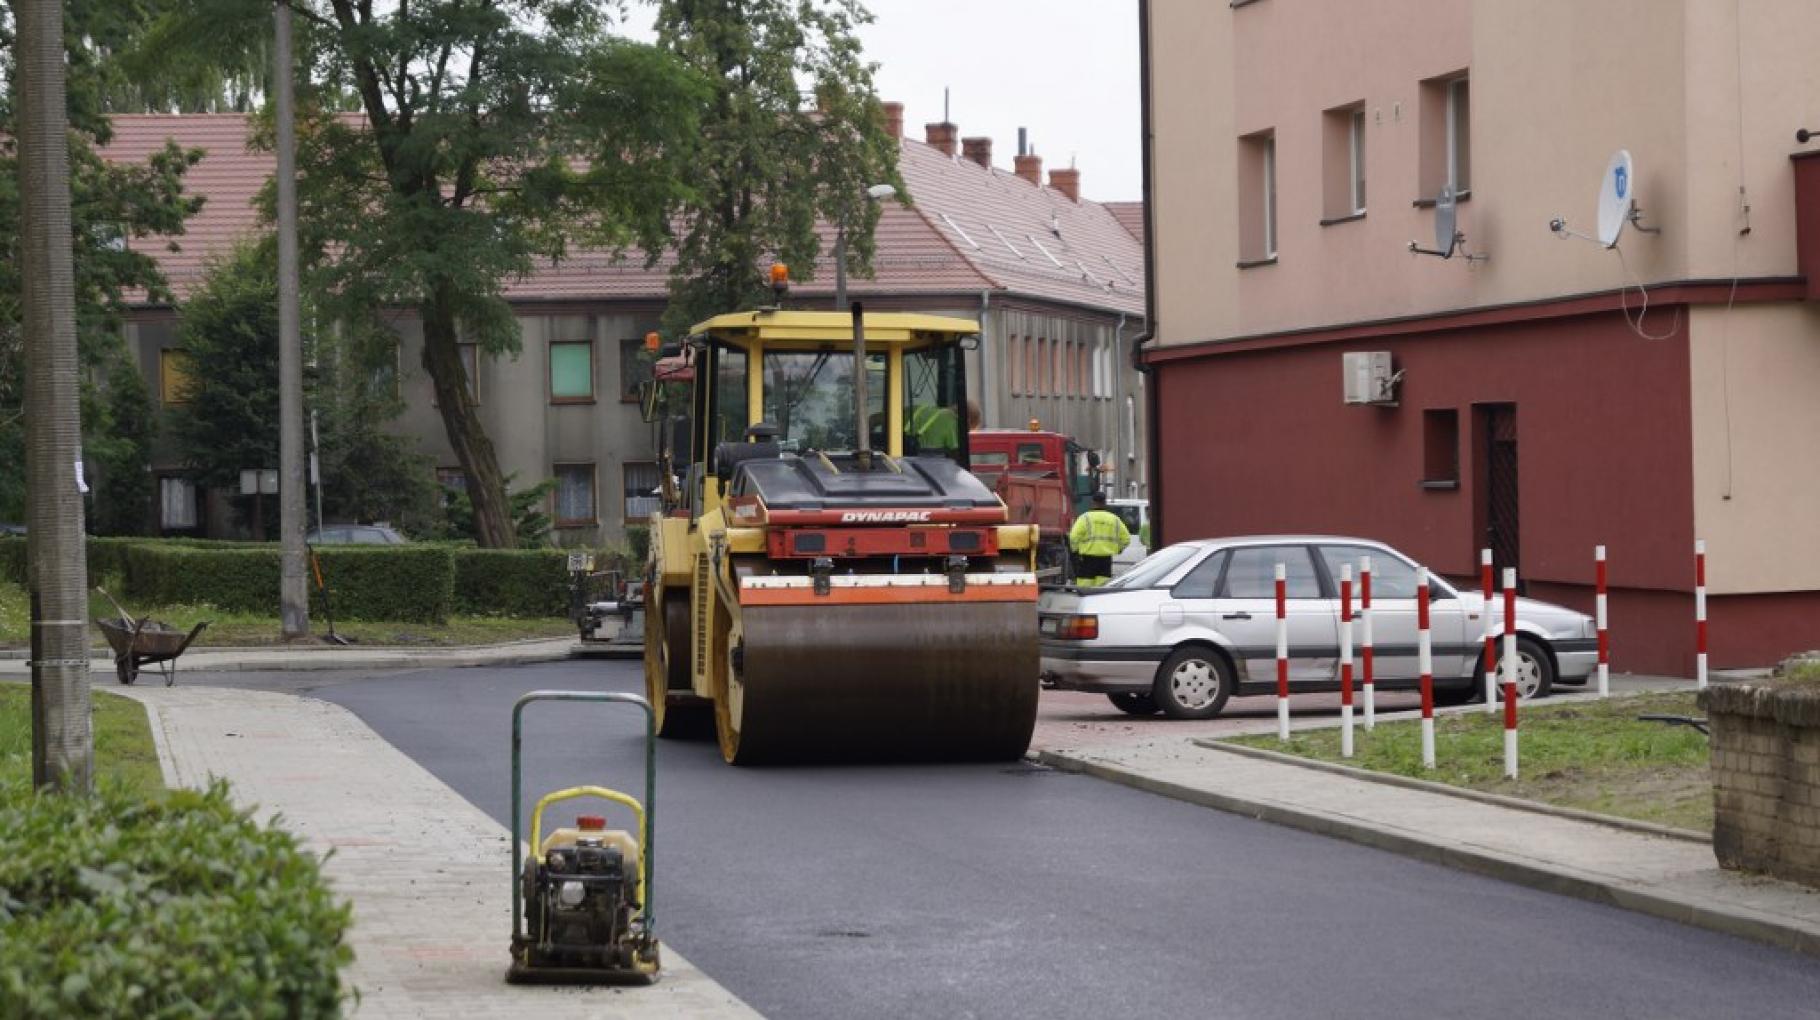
(1355, 139)
(1453, 88)
(1270, 197)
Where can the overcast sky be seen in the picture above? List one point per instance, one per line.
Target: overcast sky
(1065, 69)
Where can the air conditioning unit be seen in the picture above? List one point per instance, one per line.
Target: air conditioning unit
(1369, 378)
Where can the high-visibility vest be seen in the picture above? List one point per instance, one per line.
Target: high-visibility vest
(1099, 533)
(933, 427)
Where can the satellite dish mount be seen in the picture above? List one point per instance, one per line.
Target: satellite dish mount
(1449, 239)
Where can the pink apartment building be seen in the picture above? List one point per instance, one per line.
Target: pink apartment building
(1552, 396)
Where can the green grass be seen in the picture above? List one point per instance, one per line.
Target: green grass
(250, 629)
(1595, 756)
(123, 741)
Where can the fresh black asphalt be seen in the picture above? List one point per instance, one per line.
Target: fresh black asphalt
(1014, 891)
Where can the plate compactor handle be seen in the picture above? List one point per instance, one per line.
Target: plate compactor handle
(647, 814)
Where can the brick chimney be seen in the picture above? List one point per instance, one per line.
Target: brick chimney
(978, 150)
(942, 136)
(1068, 182)
(1030, 168)
(894, 119)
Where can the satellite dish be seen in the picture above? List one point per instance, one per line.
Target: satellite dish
(1446, 221)
(1615, 197)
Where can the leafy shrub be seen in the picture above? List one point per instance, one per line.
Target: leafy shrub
(113, 905)
(12, 560)
(512, 582)
(638, 536)
(412, 584)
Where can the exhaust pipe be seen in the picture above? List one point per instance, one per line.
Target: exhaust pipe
(863, 445)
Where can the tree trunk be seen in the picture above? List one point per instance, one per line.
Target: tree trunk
(486, 486)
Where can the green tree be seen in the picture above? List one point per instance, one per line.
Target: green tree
(228, 421)
(496, 135)
(119, 213)
(120, 446)
(769, 163)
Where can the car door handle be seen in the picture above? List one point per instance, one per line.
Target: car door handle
(1235, 616)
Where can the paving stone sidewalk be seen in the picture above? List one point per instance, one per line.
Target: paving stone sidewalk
(1666, 877)
(308, 657)
(426, 870)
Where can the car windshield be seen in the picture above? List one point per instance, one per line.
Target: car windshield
(1152, 569)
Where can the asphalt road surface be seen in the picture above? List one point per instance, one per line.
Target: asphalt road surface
(1014, 891)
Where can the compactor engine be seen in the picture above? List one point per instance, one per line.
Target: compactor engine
(829, 579)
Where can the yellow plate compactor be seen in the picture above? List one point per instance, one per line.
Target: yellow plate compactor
(581, 904)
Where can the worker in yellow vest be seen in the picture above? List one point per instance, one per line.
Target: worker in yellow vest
(1097, 536)
(936, 429)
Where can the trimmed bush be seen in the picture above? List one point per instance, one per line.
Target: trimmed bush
(412, 584)
(512, 582)
(12, 559)
(111, 905)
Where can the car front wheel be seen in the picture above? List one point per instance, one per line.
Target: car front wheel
(1133, 704)
(1193, 683)
(1535, 671)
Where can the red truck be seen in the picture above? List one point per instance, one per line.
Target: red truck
(1045, 479)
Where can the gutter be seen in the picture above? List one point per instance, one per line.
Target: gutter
(1153, 476)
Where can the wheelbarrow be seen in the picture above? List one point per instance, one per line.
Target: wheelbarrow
(145, 642)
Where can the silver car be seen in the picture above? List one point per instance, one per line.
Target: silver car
(1195, 623)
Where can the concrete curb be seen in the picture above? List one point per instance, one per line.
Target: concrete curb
(1429, 786)
(1565, 881)
(154, 720)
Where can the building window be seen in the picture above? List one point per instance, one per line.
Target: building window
(572, 372)
(452, 479)
(1258, 197)
(634, 369)
(174, 377)
(1343, 163)
(641, 482)
(1446, 136)
(1030, 353)
(1014, 362)
(1441, 448)
(176, 504)
(575, 496)
(1052, 372)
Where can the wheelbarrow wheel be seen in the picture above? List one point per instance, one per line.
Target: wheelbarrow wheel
(126, 671)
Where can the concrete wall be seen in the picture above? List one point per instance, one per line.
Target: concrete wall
(531, 434)
(1756, 446)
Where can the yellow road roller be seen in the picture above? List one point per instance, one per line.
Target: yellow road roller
(826, 578)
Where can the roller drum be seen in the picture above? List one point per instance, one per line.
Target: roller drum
(929, 681)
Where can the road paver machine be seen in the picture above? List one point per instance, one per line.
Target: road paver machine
(827, 579)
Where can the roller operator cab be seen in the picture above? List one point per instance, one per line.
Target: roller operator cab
(827, 579)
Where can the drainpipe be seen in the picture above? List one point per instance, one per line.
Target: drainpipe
(1153, 477)
(989, 373)
(1118, 403)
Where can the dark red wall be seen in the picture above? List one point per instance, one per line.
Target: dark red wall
(1259, 441)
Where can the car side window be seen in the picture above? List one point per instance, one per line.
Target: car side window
(1391, 578)
(1200, 581)
(1251, 573)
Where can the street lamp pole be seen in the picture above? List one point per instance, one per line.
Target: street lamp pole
(876, 193)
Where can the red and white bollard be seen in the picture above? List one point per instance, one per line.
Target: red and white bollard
(1282, 654)
(1700, 612)
(1599, 621)
(1371, 701)
(1491, 632)
(1510, 673)
(1425, 658)
(1346, 661)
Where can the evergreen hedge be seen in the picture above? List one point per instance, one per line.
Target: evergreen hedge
(112, 905)
(512, 582)
(410, 583)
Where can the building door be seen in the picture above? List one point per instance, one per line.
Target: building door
(1501, 528)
